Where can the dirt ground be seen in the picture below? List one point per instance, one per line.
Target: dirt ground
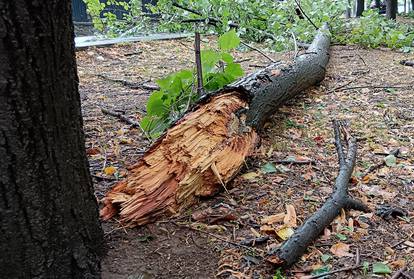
(367, 87)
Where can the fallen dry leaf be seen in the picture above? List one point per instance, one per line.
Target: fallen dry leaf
(290, 217)
(110, 170)
(341, 250)
(269, 220)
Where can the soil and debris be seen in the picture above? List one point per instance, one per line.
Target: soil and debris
(289, 176)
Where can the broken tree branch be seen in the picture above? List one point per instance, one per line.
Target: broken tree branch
(296, 245)
(206, 148)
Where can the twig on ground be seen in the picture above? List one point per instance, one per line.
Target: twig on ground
(294, 162)
(381, 164)
(398, 243)
(255, 241)
(304, 14)
(340, 87)
(377, 87)
(103, 178)
(254, 250)
(132, 85)
(259, 51)
(399, 273)
(407, 275)
(242, 60)
(121, 117)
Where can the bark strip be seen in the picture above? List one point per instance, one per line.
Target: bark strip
(207, 147)
(305, 235)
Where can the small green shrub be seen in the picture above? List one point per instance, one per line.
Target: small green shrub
(178, 90)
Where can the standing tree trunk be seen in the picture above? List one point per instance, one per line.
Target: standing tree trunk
(348, 10)
(392, 7)
(412, 5)
(48, 213)
(360, 7)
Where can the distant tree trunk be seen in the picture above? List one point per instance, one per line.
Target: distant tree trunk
(392, 7)
(348, 10)
(360, 7)
(48, 213)
(412, 5)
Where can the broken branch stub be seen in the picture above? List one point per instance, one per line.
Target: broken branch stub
(291, 250)
(206, 148)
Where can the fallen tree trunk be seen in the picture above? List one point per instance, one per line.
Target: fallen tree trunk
(296, 245)
(207, 147)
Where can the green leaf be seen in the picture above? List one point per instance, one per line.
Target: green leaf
(268, 168)
(341, 236)
(227, 57)
(365, 267)
(229, 40)
(390, 90)
(325, 257)
(279, 274)
(381, 268)
(391, 161)
(321, 270)
(234, 70)
(209, 59)
(155, 104)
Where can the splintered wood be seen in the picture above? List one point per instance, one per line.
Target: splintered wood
(195, 158)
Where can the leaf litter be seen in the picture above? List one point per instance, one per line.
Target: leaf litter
(268, 200)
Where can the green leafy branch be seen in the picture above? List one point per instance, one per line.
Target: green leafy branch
(178, 90)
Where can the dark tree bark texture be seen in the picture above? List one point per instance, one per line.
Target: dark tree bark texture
(49, 226)
(360, 7)
(392, 8)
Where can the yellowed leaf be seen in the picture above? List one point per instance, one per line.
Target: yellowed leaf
(273, 219)
(341, 250)
(110, 170)
(250, 175)
(285, 233)
(290, 217)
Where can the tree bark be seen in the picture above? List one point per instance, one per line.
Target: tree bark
(392, 8)
(48, 213)
(207, 147)
(360, 7)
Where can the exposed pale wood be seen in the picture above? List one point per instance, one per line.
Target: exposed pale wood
(200, 153)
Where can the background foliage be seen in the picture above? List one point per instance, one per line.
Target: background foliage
(275, 22)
